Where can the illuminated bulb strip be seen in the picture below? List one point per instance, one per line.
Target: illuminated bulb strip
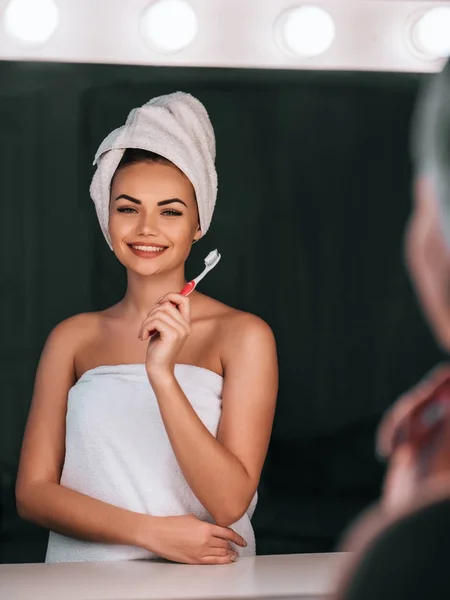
(369, 35)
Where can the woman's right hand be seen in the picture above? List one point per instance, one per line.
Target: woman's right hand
(402, 409)
(186, 539)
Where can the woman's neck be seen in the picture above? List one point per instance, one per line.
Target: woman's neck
(143, 292)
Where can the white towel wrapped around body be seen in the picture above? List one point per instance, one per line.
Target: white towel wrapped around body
(118, 451)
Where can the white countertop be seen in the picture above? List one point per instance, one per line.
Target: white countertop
(303, 576)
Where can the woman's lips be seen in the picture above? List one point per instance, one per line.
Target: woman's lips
(146, 251)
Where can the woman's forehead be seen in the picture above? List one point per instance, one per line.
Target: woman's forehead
(153, 181)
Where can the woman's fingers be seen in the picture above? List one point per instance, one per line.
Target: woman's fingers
(220, 543)
(182, 303)
(221, 552)
(170, 309)
(162, 323)
(408, 402)
(228, 534)
(401, 482)
(218, 560)
(167, 313)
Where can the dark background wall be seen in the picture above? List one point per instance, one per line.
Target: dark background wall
(314, 193)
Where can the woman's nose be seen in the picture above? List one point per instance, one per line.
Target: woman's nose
(147, 225)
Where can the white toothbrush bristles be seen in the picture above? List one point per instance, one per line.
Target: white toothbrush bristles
(210, 262)
(212, 259)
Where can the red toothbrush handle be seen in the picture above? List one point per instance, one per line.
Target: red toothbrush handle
(188, 288)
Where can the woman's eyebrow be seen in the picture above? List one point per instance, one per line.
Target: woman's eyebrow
(127, 197)
(171, 201)
(160, 203)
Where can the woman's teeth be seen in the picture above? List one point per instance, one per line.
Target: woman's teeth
(148, 248)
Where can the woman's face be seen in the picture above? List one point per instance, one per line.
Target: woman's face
(153, 217)
(428, 260)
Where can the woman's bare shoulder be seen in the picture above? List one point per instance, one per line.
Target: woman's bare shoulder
(76, 330)
(246, 344)
(234, 323)
(240, 324)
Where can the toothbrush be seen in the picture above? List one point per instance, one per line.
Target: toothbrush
(210, 262)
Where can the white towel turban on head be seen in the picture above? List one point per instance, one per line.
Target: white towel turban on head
(175, 126)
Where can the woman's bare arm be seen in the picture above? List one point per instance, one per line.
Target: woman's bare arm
(39, 496)
(224, 473)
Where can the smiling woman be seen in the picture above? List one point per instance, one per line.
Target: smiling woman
(153, 209)
(142, 445)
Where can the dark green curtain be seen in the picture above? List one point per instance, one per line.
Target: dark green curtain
(314, 193)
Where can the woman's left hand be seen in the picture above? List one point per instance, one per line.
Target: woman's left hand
(171, 319)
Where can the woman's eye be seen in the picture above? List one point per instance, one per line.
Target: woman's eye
(126, 209)
(170, 212)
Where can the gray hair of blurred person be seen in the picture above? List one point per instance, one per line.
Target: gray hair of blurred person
(431, 142)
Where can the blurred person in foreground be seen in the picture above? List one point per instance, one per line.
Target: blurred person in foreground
(401, 546)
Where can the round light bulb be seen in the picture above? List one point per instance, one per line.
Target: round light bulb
(168, 26)
(306, 31)
(31, 22)
(431, 33)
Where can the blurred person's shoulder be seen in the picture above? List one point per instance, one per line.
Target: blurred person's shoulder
(408, 559)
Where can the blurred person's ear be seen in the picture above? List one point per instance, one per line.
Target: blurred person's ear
(428, 259)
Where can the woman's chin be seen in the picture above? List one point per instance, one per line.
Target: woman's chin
(144, 270)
